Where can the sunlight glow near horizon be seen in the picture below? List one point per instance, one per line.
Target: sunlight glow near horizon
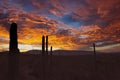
(24, 47)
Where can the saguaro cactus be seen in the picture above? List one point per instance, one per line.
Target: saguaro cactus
(51, 50)
(94, 49)
(94, 53)
(95, 62)
(46, 45)
(13, 50)
(43, 45)
(13, 47)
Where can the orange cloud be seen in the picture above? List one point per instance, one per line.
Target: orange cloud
(3, 32)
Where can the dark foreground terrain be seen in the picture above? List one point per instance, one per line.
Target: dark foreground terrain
(61, 67)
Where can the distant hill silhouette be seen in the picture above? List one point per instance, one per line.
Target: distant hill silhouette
(62, 52)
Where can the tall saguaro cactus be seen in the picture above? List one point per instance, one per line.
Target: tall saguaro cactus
(13, 48)
(43, 45)
(13, 53)
(46, 45)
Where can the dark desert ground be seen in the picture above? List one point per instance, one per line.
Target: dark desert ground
(81, 66)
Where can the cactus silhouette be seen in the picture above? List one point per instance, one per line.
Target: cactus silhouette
(13, 53)
(94, 49)
(13, 47)
(51, 50)
(43, 45)
(95, 61)
(94, 53)
(46, 45)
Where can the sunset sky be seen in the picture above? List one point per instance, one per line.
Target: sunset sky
(70, 24)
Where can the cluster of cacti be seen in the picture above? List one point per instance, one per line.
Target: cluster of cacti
(45, 46)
